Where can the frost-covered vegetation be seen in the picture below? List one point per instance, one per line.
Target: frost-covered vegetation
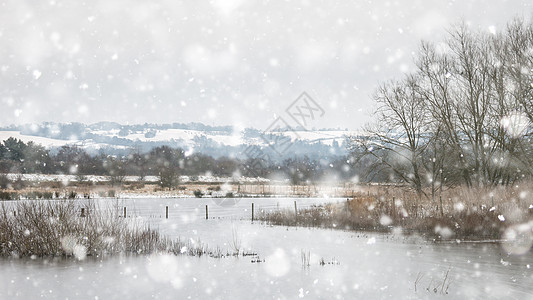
(70, 228)
(465, 213)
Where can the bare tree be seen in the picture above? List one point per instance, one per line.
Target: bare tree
(116, 169)
(464, 116)
(398, 140)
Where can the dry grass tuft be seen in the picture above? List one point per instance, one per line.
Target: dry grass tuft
(466, 213)
(56, 228)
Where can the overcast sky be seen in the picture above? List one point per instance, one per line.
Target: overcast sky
(220, 62)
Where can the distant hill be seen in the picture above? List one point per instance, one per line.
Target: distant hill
(196, 137)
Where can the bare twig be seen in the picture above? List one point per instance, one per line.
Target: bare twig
(418, 278)
(444, 282)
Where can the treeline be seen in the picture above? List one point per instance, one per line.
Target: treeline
(462, 117)
(163, 161)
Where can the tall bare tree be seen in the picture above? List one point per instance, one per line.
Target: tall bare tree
(464, 116)
(397, 139)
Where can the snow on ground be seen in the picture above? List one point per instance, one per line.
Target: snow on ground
(46, 142)
(187, 136)
(98, 178)
(229, 140)
(325, 137)
(178, 134)
(356, 265)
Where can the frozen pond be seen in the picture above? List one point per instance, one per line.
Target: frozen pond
(362, 265)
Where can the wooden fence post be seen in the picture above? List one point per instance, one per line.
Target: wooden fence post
(166, 212)
(441, 208)
(252, 211)
(393, 207)
(206, 212)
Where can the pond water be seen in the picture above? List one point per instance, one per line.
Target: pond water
(356, 265)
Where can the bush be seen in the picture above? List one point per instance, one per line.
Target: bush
(198, 194)
(4, 181)
(46, 228)
(168, 177)
(150, 134)
(367, 213)
(33, 195)
(4, 195)
(19, 184)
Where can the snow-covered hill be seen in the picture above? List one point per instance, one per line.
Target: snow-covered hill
(195, 137)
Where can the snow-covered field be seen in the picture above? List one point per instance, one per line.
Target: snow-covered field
(363, 266)
(185, 135)
(54, 143)
(235, 139)
(97, 178)
(46, 142)
(325, 137)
